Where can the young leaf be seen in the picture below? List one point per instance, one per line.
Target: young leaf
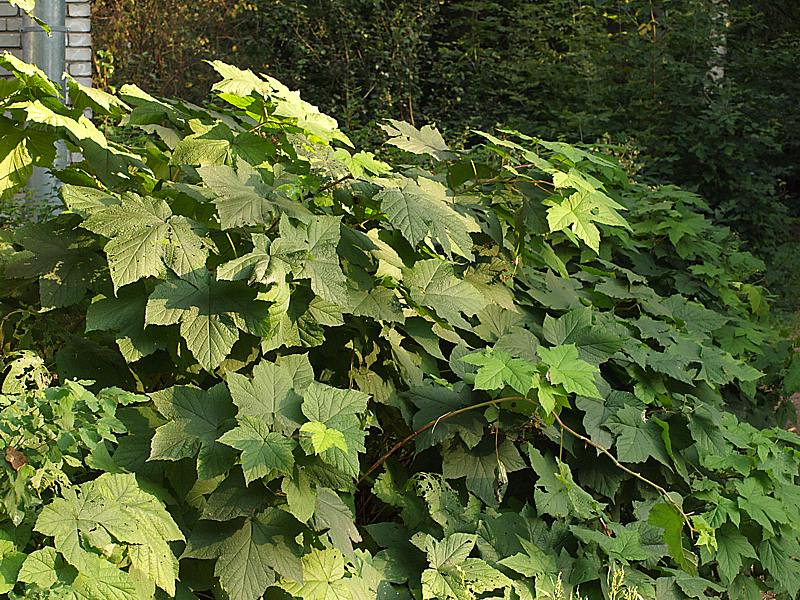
(499, 369)
(338, 409)
(323, 437)
(576, 375)
(580, 211)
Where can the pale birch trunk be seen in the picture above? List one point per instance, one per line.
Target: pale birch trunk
(719, 39)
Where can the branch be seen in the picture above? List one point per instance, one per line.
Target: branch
(583, 438)
(619, 465)
(429, 425)
(333, 184)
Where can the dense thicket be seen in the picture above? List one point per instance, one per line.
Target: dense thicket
(633, 73)
(302, 371)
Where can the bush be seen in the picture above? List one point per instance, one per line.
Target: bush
(510, 372)
(636, 72)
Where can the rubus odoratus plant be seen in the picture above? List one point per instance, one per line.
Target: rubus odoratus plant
(506, 372)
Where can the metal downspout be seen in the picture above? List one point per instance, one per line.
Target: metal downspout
(48, 52)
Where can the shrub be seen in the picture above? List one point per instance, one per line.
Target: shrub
(503, 373)
(634, 71)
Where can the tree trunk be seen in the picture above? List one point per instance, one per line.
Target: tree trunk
(719, 39)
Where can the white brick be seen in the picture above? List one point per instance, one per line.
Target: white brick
(87, 81)
(2, 24)
(83, 9)
(13, 23)
(79, 54)
(10, 40)
(6, 10)
(78, 40)
(79, 24)
(84, 69)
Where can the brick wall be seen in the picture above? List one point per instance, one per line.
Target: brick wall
(79, 36)
(10, 26)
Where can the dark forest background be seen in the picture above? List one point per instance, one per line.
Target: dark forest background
(634, 76)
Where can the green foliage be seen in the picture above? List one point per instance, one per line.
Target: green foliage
(635, 77)
(539, 358)
(52, 433)
(100, 539)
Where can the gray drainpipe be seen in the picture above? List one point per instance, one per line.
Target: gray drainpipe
(48, 52)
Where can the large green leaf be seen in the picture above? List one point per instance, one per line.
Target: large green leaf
(433, 284)
(732, 549)
(265, 454)
(309, 251)
(323, 577)
(485, 467)
(211, 147)
(454, 576)
(637, 438)
(117, 505)
(269, 396)
(144, 238)
(556, 492)
(595, 343)
(421, 209)
(63, 262)
(210, 314)
(499, 369)
(45, 568)
(16, 163)
(249, 558)
(253, 266)
(333, 516)
(125, 315)
(195, 420)
(427, 140)
(626, 544)
(779, 557)
(242, 197)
